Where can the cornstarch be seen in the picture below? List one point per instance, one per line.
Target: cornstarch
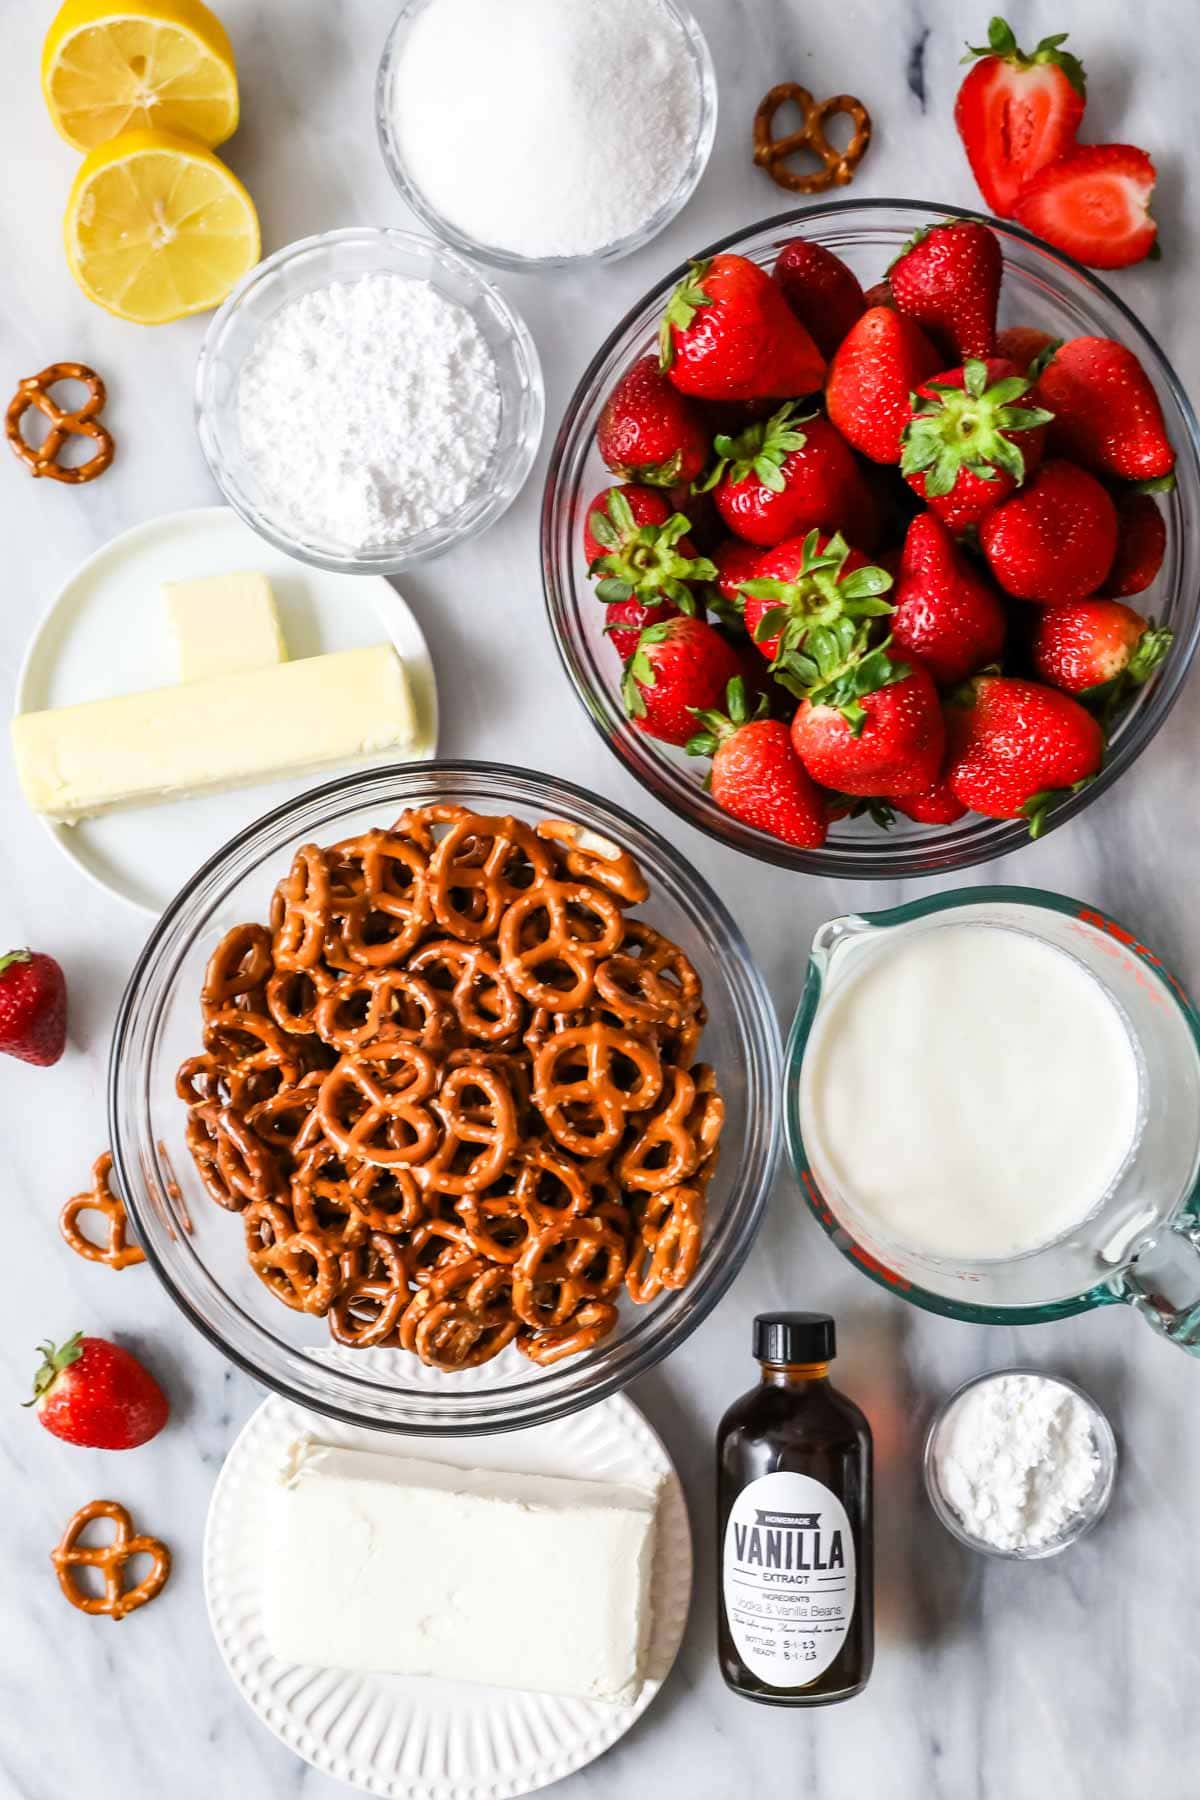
(368, 410)
(1016, 1459)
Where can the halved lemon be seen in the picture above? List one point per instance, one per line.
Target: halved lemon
(158, 227)
(160, 65)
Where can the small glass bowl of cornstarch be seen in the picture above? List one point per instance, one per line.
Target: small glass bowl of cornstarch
(1019, 1464)
(367, 399)
(542, 133)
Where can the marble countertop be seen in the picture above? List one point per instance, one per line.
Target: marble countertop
(1074, 1677)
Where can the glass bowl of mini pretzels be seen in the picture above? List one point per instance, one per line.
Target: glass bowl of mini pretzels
(444, 1098)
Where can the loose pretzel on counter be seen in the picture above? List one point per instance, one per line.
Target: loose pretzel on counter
(116, 1252)
(116, 1601)
(837, 166)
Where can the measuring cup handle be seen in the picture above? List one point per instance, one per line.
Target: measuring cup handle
(1164, 1284)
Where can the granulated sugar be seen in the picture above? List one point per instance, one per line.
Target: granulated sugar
(368, 410)
(1016, 1459)
(546, 127)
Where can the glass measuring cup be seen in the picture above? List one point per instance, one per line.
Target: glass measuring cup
(1140, 1244)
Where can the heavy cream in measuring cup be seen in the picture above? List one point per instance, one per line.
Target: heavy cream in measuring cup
(969, 1090)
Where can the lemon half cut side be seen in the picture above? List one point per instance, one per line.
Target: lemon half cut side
(160, 65)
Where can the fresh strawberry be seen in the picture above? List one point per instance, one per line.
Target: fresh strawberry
(881, 743)
(1094, 204)
(806, 582)
(823, 293)
(1055, 540)
(780, 478)
(625, 621)
(1106, 413)
(877, 365)
(1024, 345)
(649, 431)
(1095, 643)
(947, 278)
(33, 1007)
(946, 614)
(736, 561)
(936, 805)
(1016, 113)
(756, 775)
(1016, 746)
(729, 334)
(93, 1393)
(639, 549)
(970, 441)
(880, 294)
(1141, 546)
(679, 667)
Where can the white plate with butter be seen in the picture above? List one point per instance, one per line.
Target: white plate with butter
(109, 632)
(424, 1738)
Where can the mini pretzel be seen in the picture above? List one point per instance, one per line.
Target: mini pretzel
(237, 969)
(837, 166)
(496, 1132)
(117, 1600)
(42, 459)
(587, 1111)
(373, 1296)
(585, 1328)
(669, 1247)
(591, 857)
(116, 1251)
(559, 926)
(370, 1106)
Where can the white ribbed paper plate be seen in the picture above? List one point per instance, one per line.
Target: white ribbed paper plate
(419, 1739)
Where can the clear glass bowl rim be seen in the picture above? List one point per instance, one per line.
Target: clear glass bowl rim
(957, 847)
(563, 1389)
(473, 517)
(1098, 1500)
(494, 254)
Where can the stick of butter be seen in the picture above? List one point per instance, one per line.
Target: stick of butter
(415, 1568)
(224, 624)
(229, 731)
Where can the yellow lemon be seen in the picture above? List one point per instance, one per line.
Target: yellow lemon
(163, 65)
(157, 227)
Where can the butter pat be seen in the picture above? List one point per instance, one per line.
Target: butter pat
(228, 731)
(224, 624)
(415, 1568)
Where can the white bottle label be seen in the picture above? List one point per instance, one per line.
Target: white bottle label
(788, 1577)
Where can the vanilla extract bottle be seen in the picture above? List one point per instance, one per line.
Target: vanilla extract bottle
(796, 1600)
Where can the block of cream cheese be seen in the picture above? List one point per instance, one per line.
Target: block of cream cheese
(415, 1568)
(77, 761)
(224, 624)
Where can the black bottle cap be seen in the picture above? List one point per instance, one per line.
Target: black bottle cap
(794, 1337)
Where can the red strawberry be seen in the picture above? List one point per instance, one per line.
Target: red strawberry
(756, 775)
(936, 805)
(93, 1393)
(639, 548)
(778, 479)
(1023, 345)
(823, 293)
(970, 442)
(625, 621)
(1016, 746)
(679, 667)
(876, 367)
(807, 582)
(880, 294)
(1094, 204)
(737, 561)
(1106, 413)
(1016, 113)
(1055, 540)
(946, 613)
(1094, 643)
(1141, 546)
(33, 1007)
(947, 278)
(649, 431)
(886, 742)
(729, 334)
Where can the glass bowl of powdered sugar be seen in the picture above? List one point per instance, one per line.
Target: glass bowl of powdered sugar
(1019, 1464)
(541, 133)
(366, 399)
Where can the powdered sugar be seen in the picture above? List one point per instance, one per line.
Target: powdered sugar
(546, 127)
(369, 410)
(1016, 1459)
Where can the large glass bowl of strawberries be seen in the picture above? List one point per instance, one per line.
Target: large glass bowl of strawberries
(870, 539)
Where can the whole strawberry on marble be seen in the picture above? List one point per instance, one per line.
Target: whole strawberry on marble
(33, 1007)
(91, 1392)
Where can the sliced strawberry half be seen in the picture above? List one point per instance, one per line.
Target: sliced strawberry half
(1095, 205)
(1016, 112)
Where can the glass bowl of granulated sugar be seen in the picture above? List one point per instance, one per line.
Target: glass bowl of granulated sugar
(367, 399)
(546, 132)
